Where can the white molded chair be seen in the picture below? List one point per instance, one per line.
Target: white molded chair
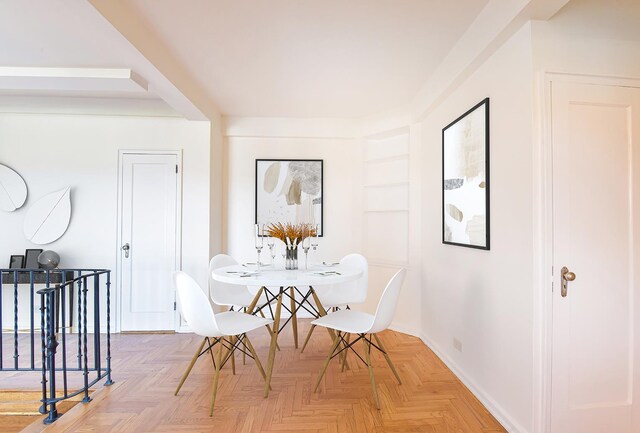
(348, 322)
(228, 329)
(231, 295)
(345, 294)
(224, 294)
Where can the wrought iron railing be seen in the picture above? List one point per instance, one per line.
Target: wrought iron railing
(60, 337)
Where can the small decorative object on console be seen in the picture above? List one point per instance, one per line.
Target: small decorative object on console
(48, 260)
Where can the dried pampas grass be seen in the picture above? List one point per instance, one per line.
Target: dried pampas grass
(295, 232)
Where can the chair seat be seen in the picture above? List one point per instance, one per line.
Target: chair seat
(353, 322)
(234, 323)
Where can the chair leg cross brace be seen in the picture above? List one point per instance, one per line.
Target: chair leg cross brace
(336, 350)
(225, 353)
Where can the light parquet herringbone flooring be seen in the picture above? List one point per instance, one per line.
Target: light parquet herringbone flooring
(147, 369)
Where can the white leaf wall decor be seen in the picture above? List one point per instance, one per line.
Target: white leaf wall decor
(13, 190)
(48, 218)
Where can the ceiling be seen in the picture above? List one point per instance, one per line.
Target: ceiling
(312, 58)
(41, 38)
(254, 58)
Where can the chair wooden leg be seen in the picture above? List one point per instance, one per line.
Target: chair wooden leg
(210, 350)
(367, 351)
(323, 312)
(244, 356)
(306, 340)
(269, 329)
(294, 318)
(191, 364)
(274, 342)
(216, 376)
(255, 356)
(386, 356)
(232, 341)
(334, 346)
(344, 363)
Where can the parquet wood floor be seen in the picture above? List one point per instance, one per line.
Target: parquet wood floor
(147, 369)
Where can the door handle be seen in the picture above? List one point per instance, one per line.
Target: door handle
(126, 248)
(565, 277)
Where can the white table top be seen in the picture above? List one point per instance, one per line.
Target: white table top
(272, 277)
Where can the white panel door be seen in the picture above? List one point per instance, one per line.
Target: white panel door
(596, 233)
(148, 244)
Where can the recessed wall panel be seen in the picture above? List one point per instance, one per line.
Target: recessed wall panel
(387, 237)
(386, 198)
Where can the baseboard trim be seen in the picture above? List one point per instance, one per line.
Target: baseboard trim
(405, 330)
(489, 403)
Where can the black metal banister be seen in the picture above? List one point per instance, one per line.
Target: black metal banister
(59, 287)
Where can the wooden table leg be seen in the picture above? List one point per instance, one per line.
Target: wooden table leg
(294, 319)
(332, 334)
(256, 298)
(274, 341)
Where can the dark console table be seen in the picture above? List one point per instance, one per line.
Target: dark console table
(40, 276)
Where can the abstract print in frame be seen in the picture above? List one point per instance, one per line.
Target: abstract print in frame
(465, 179)
(289, 190)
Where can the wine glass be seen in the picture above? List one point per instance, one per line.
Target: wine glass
(259, 242)
(314, 241)
(271, 243)
(284, 255)
(306, 245)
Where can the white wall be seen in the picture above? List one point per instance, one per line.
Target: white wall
(488, 300)
(55, 151)
(590, 40)
(347, 199)
(590, 37)
(484, 298)
(338, 154)
(390, 224)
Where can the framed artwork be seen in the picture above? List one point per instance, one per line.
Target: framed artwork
(465, 179)
(16, 262)
(289, 190)
(31, 258)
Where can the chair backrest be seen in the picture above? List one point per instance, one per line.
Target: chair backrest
(388, 302)
(221, 293)
(355, 292)
(195, 307)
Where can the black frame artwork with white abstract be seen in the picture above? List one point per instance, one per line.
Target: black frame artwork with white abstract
(290, 190)
(465, 179)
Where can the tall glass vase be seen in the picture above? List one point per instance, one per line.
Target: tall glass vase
(291, 260)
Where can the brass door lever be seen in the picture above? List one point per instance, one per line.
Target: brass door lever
(565, 277)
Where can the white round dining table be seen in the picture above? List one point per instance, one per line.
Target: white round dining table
(269, 276)
(276, 283)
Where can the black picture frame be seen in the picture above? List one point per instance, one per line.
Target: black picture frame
(16, 262)
(457, 183)
(316, 166)
(31, 258)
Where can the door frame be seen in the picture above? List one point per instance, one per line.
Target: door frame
(178, 252)
(543, 233)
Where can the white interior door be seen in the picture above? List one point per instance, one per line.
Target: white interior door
(148, 244)
(596, 232)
